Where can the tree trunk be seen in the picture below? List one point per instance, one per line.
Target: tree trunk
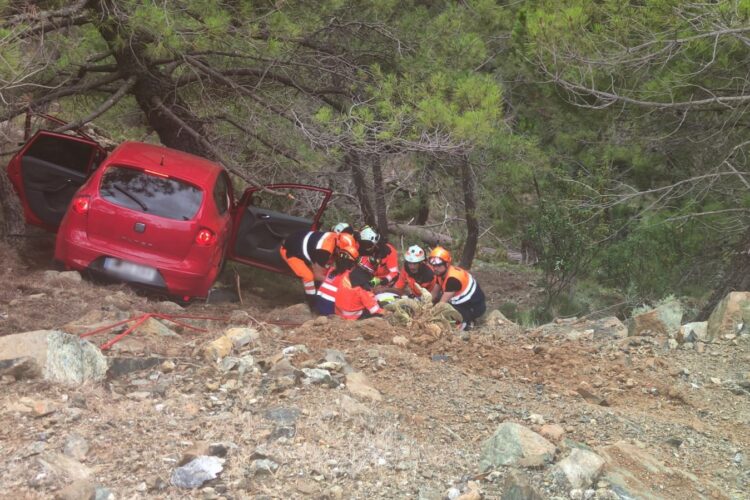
(423, 197)
(470, 208)
(151, 82)
(379, 189)
(13, 220)
(360, 187)
(736, 278)
(424, 234)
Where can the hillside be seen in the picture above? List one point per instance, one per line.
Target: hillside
(323, 408)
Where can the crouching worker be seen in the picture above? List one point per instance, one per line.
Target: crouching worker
(307, 253)
(415, 272)
(344, 260)
(354, 299)
(456, 287)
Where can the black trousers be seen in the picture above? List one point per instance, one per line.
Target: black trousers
(473, 308)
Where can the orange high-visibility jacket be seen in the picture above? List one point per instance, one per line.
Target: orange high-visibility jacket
(352, 301)
(468, 284)
(388, 268)
(305, 245)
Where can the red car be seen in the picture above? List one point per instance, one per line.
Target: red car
(151, 215)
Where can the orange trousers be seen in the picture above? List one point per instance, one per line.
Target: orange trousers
(302, 270)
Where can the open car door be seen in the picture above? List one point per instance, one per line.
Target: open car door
(262, 220)
(48, 171)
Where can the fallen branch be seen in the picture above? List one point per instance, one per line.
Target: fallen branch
(422, 233)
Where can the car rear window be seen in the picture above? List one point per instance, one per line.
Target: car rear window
(150, 193)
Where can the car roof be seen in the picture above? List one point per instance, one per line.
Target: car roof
(167, 161)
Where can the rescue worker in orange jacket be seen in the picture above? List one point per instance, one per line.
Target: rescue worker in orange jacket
(456, 287)
(354, 299)
(344, 260)
(308, 254)
(371, 244)
(415, 272)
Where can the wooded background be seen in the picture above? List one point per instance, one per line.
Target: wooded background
(607, 137)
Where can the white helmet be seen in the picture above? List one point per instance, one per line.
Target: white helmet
(369, 234)
(414, 254)
(341, 227)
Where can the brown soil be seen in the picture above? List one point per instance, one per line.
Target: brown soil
(423, 437)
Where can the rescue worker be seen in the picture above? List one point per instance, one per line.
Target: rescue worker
(354, 299)
(415, 272)
(345, 259)
(308, 255)
(456, 287)
(371, 244)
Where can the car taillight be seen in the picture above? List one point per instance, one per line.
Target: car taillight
(81, 204)
(205, 237)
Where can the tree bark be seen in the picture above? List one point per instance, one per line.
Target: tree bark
(360, 187)
(423, 197)
(736, 278)
(470, 208)
(13, 220)
(151, 83)
(379, 189)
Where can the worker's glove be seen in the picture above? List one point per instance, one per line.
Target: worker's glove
(375, 281)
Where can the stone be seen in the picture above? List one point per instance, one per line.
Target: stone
(553, 432)
(197, 471)
(63, 358)
(580, 468)
(153, 326)
(61, 466)
(319, 376)
(352, 408)
(731, 316)
(400, 341)
(81, 489)
(518, 487)
(359, 385)
(76, 447)
(242, 336)
(217, 348)
(609, 327)
(120, 366)
(514, 444)
(663, 320)
(282, 416)
(591, 397)
(23, 368)
(693, 332)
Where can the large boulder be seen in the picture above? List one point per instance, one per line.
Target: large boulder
(731, 315)
(663, 320)
(515, 445)
(581, 468)
(60, 357)
(693, 332)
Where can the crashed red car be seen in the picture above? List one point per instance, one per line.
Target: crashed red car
(147, 214)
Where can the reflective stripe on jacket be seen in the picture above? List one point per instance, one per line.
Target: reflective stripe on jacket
(468, 284)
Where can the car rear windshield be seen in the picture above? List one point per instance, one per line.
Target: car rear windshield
(150, 193)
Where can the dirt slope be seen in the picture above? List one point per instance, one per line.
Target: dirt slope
(683, 415)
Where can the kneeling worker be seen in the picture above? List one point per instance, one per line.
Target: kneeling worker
(308, 255)
(354, 299)
(344, 260)
(456, 287)
(415, 272)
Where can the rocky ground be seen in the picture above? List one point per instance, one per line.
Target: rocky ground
(278, 405)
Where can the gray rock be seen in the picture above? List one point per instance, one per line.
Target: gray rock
(76, 447)
(124, 366)
(264, 466)
(518, 487)
(319, 376)
(283, 416)
(581, 468)
(514, 444)
(22, 368)
(335, 356)
(197, 472)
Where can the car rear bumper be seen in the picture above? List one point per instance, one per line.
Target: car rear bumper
(184, 278)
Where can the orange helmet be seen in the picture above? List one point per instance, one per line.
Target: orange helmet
(347, 244)
(369, 264)
(440, 255)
